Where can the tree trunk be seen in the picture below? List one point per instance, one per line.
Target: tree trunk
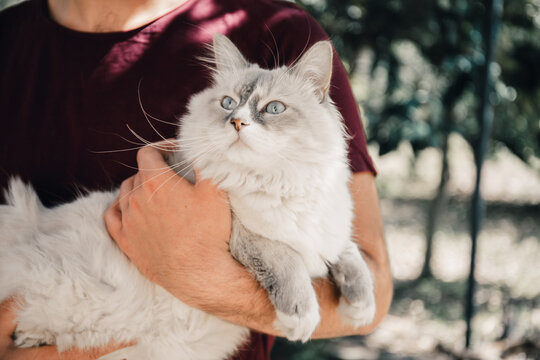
(437, 202)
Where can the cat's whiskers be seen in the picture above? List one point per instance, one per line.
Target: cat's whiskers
(164, 171)
(170, 144)
(273, 56)
(194, 139)
(118, 150)
(139, 145)
(306, 45)
(167, 148)
(126, 165)
(184, 165)
(153, 144)
(161, 185)
(147, 115)
(276, 56)
(198, 156)
(196, 145)
(141, 184)
(290, 69)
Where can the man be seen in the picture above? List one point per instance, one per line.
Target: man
(70, 71)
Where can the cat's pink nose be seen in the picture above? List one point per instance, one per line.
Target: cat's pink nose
(239, 123)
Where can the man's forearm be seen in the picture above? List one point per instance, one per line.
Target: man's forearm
(233, 295)
(248, 304)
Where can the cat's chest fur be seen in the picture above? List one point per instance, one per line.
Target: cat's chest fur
(312, 217)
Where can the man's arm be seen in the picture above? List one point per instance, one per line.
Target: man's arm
(191, 260)
(177, 235)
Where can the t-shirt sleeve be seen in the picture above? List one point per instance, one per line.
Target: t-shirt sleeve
(294, 31)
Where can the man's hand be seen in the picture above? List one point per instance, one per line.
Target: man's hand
(176, 233)
(8, 351)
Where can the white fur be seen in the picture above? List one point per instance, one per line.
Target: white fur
(288, 183)
(80, 290)
(298, 327)
(297, 177)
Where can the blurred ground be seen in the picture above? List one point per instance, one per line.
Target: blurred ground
(426, 319)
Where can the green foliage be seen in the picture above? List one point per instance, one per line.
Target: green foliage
(312, 350)
(424, 57)
(441, 300)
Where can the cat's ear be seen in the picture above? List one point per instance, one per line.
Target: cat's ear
(316, 66)
(226, 55)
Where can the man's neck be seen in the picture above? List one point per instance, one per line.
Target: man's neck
(109, 15)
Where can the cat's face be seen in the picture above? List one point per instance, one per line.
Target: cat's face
(262, 118)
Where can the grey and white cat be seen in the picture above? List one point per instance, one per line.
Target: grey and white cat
(275, 142)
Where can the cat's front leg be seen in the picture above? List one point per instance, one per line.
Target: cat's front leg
(282, 273)
(352, 276)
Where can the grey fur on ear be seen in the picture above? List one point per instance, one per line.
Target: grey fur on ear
(316, 66)
(226, 55)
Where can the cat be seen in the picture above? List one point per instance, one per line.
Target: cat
(273, 140)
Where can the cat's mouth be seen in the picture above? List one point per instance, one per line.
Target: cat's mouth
(239, 143)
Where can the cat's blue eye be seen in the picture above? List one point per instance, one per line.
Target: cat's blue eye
(275, 107)
(228, 103)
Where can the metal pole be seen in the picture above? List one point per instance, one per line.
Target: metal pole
(485, 119)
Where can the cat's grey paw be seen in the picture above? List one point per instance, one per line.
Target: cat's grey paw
(360, 312)
(26, 339)
(299, 325)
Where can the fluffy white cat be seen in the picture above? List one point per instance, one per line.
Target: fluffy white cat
(275, 142)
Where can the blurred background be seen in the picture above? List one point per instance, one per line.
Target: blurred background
(418, 68)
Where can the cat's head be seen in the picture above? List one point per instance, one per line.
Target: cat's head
(263, 119)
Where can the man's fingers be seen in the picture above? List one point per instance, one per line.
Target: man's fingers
(7, 319)
(150, 159)
(113, 220)
(166, 147)
(208, 184)
(113, 215)
(154, 170)
(125, 192)
(137, 181)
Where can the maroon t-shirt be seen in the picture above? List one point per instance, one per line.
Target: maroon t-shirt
(68, 97)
